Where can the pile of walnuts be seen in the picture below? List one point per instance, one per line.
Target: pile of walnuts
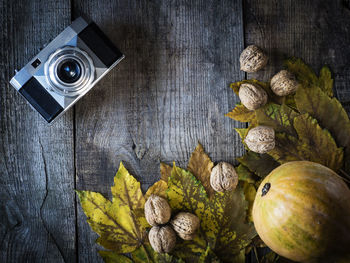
(261, 139)
(162, 235)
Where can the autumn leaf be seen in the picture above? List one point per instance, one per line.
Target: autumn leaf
(286, 148)
(321, 145)
(313, 144)
(158, 188)
(242, 114)
(165, 171)
(329, 113)
(279, 117)
(223, 218)
(242, 132)
(303, 72)
(326, 81)
(200, 166)
(249, 193)
(121, 223)
(307, 77)
(245, 175)
(259, 164)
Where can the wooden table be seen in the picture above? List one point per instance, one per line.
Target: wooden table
(171, 91)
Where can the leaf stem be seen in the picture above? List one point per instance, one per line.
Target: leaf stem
(146, 252)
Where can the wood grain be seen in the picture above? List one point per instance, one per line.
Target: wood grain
(171, 91)
(37, 208)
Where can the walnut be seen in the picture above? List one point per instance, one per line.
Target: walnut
(252, 96)
(252, 59)
(157, 210)
(185, 225)
(284, 83)
(260, 139)
(223, 177)
(162, 238)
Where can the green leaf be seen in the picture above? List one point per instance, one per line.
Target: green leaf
(121, 224)
(259, 164)
(242, 114)
(200, 166)
(279, 117)
(113, 257)
(313, 144)
(326, 81)
(330, 115)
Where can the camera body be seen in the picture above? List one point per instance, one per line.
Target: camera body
(66, 69)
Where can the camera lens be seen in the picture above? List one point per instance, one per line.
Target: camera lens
(69, 71)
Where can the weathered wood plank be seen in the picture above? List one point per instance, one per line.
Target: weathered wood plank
(171, 90)
(316, 31)
(37, 208)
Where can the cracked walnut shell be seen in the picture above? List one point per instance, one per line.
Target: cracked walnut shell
(284, 83)
(162, 238)
(252, 96)
(260, 139)
(223, 177)
(185, 225)
(157, 210)
(252, 59)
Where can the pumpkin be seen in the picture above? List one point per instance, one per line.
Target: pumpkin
(302, 212)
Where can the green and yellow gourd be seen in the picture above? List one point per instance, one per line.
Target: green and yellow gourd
(302, 212)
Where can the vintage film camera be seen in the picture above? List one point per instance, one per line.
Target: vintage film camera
(66, 69)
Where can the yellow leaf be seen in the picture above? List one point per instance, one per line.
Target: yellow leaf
(158, 188)
(200, 166)
(165, 171)
(121, 223)
(242, 114)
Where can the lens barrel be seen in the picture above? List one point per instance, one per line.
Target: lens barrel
(69, 71)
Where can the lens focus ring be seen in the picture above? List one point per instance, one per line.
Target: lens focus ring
(69, 71)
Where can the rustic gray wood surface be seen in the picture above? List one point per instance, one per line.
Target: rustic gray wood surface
(171, 91)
